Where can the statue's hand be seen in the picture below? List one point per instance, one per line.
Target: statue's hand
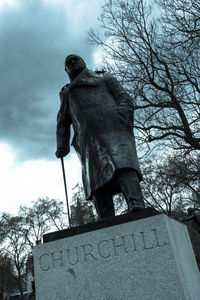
(61, 152)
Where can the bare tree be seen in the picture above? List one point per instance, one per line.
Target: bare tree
(154, 50)
(44, 215)
(185, 173)
(15, 247)
(7, 276)
(162, 189)
(182, 21)
(18, 234)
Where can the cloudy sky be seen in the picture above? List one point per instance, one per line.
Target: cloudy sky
(35, 37)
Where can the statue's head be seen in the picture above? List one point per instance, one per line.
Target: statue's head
(74, 64)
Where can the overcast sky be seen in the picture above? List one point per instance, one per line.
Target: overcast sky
(35, 38)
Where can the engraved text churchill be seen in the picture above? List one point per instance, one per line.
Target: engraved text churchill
(111, 248)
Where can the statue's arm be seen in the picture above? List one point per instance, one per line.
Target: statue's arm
(63, 127)
(124, 101)
(121, 96)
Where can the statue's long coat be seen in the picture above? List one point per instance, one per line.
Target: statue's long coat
(103, 139)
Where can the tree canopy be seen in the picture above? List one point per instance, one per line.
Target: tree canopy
(153, 48)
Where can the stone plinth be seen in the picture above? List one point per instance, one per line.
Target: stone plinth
(149, 258)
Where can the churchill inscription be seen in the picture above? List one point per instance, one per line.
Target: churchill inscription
(101, 250)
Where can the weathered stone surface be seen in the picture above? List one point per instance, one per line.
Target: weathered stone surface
(150, 258)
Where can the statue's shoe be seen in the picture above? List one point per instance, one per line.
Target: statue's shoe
(135, 205)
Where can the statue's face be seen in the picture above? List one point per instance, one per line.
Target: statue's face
(74, 64)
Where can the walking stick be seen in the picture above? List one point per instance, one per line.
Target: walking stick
(65, 185)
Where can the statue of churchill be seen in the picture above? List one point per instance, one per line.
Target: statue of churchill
(101, 113)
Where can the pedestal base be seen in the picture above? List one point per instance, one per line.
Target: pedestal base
(149, 258)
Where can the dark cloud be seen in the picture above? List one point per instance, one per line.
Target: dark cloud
(34, 39)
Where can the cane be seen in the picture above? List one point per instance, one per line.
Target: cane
(65, 185)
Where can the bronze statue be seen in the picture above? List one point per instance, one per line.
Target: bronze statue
(101, 113)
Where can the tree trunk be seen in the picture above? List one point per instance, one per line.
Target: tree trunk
(20, 288)
(21, 292)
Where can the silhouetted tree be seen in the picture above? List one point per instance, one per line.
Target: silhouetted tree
(15, 247)
(171, 183)
(44, 215)
(154, 51)
(7, 276)
(185, 172)
(18, 234)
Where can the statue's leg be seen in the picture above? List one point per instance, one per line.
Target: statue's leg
(103, 201)
(130, 187)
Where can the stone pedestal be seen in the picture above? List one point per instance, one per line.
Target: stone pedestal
(149, 258)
